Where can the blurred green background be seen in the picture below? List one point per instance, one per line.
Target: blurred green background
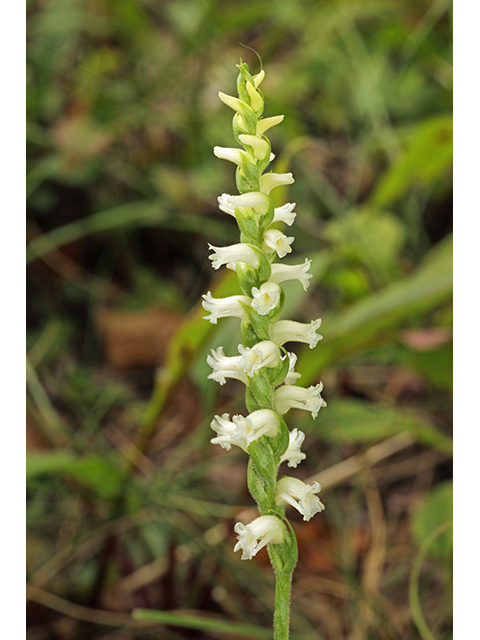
(129, 506)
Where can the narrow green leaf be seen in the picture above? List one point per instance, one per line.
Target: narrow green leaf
(190, 621)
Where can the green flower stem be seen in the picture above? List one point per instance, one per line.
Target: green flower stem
(281, 619)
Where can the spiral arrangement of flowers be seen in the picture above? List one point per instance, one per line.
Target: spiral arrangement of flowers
(263, 363)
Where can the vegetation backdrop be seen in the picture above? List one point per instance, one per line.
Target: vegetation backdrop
(128, 503)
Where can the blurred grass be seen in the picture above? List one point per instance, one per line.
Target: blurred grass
(129, 507)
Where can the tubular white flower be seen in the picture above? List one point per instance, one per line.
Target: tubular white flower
(266, 298)
(229, 153)
(224, 307)
(234, 253)
(254, 199)
(263, 354)
(259, 145)
(290, 396)
(282, 272)
(269, 181)
(263, 422)
(292, 376)
(224, 428)
(226, 367)
(256, 535)
(266, 123)
(299, 495)
(285, 214)
(291, 331)
(293, 454)
(275, 240)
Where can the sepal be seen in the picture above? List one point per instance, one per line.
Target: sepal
(244, 110)
(248, 277)
(249, 339)
(260, 490)
(260, 324)
(284, 556)
(250, 402)
(277, 375)
(261, 389)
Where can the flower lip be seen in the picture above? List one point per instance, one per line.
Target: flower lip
(293, 455)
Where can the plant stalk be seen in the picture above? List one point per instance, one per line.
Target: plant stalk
(281, 618)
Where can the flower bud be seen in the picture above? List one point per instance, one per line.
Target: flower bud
(271, 180)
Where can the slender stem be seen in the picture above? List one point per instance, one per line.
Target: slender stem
(281, 619)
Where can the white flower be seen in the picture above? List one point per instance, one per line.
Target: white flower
(285, 214)
(265, 123)
(225, 429)
(227, 153)
(266, 298)
(263, 422)
(224, 307)
(254, 199)
(282, 272)
(293, 454)
(269, 181)
(226, 367)
(259, 145)
(234, 253)
(277, 241)
(299, 495)
(292, 376)
(290, 396)
(263, 354)
(256, 535)
(291, 331)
